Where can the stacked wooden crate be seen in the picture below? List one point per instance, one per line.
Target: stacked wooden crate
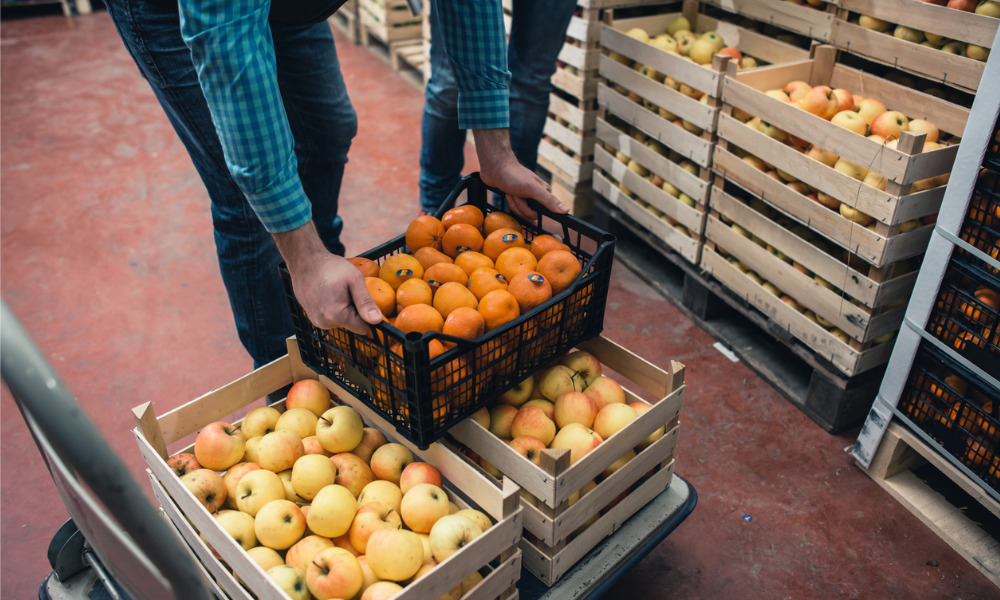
(389, 22)
(347, 20)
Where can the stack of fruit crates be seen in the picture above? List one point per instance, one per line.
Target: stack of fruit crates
(573, 505)
(659, 113)
(489, 566)
(346, 20)
(797, 233)
(389, 22)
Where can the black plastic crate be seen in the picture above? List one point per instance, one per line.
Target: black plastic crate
(992, 158)
(423, 397)
(957, 409)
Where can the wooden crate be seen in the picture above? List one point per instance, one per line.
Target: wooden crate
(553, 547)
(239, 576)
(803, 19)
(932, 63)
(347, 21)
(388, 21)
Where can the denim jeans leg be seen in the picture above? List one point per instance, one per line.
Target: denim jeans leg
(442, 149)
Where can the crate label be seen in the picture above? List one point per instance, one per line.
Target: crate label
(509, 237)
(461, 249)
(501, 278)
(404, 273)
(535, 277)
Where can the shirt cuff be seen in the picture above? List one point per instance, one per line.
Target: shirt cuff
(484, 109)
(282, 208)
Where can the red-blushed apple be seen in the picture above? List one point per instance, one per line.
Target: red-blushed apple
(799, 187)
(621, 462)
(343, 541)
(641, 407)
(576, 438)
(889, 124)
(585, 366)
(352, 472)
(265, 557)
(183, 463)
(548, 407)
(824, 156)
(964, 5)
(820, 101)
(606, 390)
(239, 525)
(256, 488)
(371, 439)
(531, 420)
(381, 590)
(310, 394)
(259, 421)
(219, 445)
(340, 429)
(311, 445)
(369, 578)
(529, 447)
(300, 420)
(869, 108)
(279, 524)
(301, 553)
(232, 479)
(332, 511)
(370, 518)
(383, 491)
(334, 573)
(252, 451)
(394, 554)
(279, 450)
(519, 393)
(291, 580)
(422, 506)
(756, 163)
(850, 120)
(428, 555)
(501, 418)
(845, 99)
(919, 126)
(418, 472)
(613, 418)
(311, 473)
(575, 407)
(733, 53)
(796, 90)
(557, 380)
(207, 486)
(451, 533)
(389, 460)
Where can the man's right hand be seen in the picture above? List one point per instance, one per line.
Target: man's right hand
(330, 289)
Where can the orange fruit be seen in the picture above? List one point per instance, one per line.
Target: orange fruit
(530, 289)
(424, 231)
(397, 268)
(486, 279)
(467, 213)
(460, 238)
(367, 266)
(515, 260)
(452, 295)
(502, 239)
(499, 219)
(464, 322)
(420, 318)
(542, 244)
(382, 293)
(413, 291)
(428, 256)
(560, 268)
(498, 307)
(445, 272)
(470, 261)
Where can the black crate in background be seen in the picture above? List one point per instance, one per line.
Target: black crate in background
(423, 397)
(992, 158)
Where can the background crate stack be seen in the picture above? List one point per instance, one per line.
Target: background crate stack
(656, 138)
(865, 264)
(347, 20)
(389, 22)
(566, 515)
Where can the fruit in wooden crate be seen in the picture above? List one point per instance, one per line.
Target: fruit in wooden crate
(183, 463)
(576, 438)
(291, 580)
(394, 554)
(279, 524)
(450, 533)
(889, 124)
(334, 573)
(310, 394)
(219, 446)
(256, 488)
(990, 8)
(979, 53)
(874, 24)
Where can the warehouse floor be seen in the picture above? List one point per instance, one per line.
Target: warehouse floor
(108, 260)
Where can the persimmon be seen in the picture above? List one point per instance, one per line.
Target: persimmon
(467, 213)
(460, 238)
(452, 295)
(530, 289)
(500, 240)
(560, 268)
(486, 279)
(397, 268)
(424, 231)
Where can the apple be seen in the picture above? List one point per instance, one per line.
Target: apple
(219, 446)
(394, 554)
(850, 169)
(309, 394)
(756, 163)
(621, 462)
(371, 439)
(889, 124)
(383, 491)
(874, 24)
(239, 525)
(334, 573)
(301, 553)
(532, 420)
(558, 380)
(612, 418)
(547, 407)
(257, 488)
(207, 486)
(576, 438)
(585, 366)
(990, 8)
(908, 33)
(252, 451)
(575, 407)
(300, 420)
(290, 494)
(482, 416)
(796, 90)
(265, 557)
(845, 99)
(259, 421)
(518, 394)
(850, 120)
(389, 460)
(664, 42)
(748, 62)
(381, 590)
(641, 407)
(370, 518)
(604, 391)
(311, 473)
(678, 24)
(279, 450)
(232, 479)
(343, 541)
(291, 580)
(279, 524)
(869, 108)
(779, 95)
(824, 156)
(451, 533)
(977, 52)
(733, 53)
(767, 129)
(966, 5)
(954, 47)
(369, 578)
(422, 506)
(352, 472)
(183, 463)
(332, 511)
(418, 472)
(874, 180)
(501, 418)
(820, 101)
(311, 445)
(340, 429)
(702, 50)
(849, 212)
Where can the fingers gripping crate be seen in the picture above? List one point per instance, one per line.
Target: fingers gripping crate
(494, 554)
(566, 515)
(423, 397)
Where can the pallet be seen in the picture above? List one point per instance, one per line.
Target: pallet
(388, 21)
(810, 382)
(410, 55)
(892, 468)
(346, 21)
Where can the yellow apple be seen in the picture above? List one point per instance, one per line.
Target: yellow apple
(279, 524)
(301, 553)
(309, 394)
(340, 429)
(239, 525)
(641, 407)
(279, 450)
(219, 446)
(394, 554)
(381, 590)
(422, 506)
(389, 460)
(232, 479)
(621, 462)
(332, 511)
(576, 438)
(311, 473)
(259, 421)
(371, 439)
(382, 491)
(300, 420)
(517, 394)
(265, 557)
(419, 472)
(451, 533)
(612, 418)
(532, 420)
(352, 472)
(292, 580)
(478, 517)
(257, 488)
(370, 518)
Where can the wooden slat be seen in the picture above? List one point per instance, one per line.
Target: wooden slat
(807, 21)
(924, 16)
(685, 71)
(683, 106)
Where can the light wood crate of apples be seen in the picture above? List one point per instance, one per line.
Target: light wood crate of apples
(546, 435)
(297, 560)
(389, 21)
(811, 18)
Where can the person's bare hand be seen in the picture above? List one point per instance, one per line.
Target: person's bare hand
(500, 169)
(330, 289)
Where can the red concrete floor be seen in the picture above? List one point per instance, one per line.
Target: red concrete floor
(108, 260)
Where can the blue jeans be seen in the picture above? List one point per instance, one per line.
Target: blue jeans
(321, 118)
(537, 34)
